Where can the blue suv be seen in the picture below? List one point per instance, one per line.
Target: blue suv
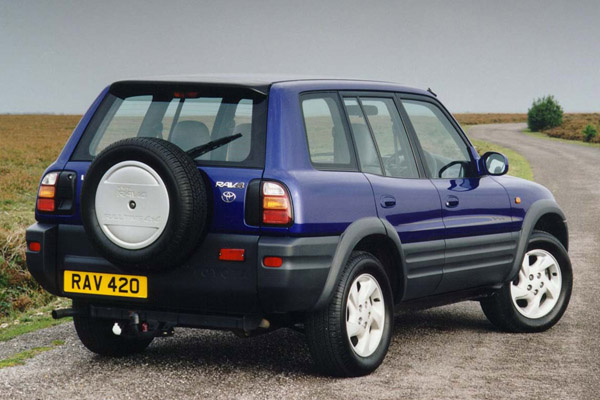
(319, 205)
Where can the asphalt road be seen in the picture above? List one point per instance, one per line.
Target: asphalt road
(450, 352)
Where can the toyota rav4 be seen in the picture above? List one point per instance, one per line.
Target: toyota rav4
(319, 205)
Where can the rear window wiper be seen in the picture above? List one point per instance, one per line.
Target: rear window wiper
(210, 146)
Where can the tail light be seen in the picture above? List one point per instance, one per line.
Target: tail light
(57, 193)
(46, 194)
(276, 204)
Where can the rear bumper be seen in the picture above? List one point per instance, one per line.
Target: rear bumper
(204, 284)
(42, 264)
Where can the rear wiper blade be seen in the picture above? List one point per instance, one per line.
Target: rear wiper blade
(210, 146)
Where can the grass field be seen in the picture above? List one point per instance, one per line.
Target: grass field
(28, 144)
(570, 129)
(490, 118)
(572, 126)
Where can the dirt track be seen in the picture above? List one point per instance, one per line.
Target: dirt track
(445, 353)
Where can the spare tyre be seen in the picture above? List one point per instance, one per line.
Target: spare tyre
(144, 204)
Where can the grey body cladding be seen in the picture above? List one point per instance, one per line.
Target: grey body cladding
(450, 265)
(424, 265)
(478, 261)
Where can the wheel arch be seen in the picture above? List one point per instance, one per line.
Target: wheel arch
(555, 225)
(376, 236)
(544, 215)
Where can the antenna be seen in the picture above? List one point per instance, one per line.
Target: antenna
(431, 91)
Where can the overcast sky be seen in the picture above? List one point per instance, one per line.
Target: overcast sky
(479, 56)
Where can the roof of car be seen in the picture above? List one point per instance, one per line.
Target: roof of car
(263, 81)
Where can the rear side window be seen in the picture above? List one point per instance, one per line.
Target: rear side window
(188, 115)
(328, 142)
(392, 140)
(367, 153)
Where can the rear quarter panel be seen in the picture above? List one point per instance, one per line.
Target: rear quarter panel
(324, 202)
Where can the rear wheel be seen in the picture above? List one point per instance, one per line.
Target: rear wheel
(351, 335)
(538, 297)
(97, 336)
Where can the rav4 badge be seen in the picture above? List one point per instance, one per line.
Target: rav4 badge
(230, 185)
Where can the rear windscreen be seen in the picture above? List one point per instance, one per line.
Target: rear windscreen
(188, 115)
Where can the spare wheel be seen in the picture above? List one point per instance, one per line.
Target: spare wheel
(144, 204)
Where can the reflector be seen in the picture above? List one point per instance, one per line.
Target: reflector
(232, 254)
(273, 262)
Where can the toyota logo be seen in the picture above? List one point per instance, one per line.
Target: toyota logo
(228, 197)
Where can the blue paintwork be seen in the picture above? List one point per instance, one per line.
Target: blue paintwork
(528, 191)
(326, 202)
(483, 207)
(229, 217)
(417, 214)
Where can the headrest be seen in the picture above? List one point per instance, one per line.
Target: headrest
(190, 134)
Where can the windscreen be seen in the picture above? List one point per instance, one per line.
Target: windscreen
(188, 115)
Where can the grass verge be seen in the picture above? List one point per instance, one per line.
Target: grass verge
(31, 320)
(19, 358)
(518, 165)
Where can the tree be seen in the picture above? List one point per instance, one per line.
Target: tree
(544, 113)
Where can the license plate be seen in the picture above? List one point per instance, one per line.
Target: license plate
(106, 284)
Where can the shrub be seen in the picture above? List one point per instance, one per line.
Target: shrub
(589, 133)
(544, 113)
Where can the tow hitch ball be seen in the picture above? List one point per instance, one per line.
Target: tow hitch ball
(135, 328)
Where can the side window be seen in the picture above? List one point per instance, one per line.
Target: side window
(239, 149)
(367, 154)
(446, 154)
(327, 139)
(392, 140)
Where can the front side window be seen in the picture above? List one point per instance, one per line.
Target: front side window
(446, 153)
(188, 115)
(328, 142)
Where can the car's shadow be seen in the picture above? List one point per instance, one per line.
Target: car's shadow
(284, 351)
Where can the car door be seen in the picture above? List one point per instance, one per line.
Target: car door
(403, 195)
(480, 244)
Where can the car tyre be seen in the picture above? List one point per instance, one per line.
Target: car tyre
(538, 297)
(173, 189)
(351, 335)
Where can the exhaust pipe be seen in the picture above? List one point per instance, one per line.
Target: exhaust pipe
(64, 313)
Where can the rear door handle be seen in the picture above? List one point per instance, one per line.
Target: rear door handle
(452, 201)
(387, 201)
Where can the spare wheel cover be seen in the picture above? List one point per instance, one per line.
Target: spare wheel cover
(132, 205)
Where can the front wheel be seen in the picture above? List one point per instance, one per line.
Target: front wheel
(351, 335)
(538, 297)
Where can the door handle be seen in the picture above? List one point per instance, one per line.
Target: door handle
(387, 201)
(452, 201)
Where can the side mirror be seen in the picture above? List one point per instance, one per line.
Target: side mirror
(494, 163)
